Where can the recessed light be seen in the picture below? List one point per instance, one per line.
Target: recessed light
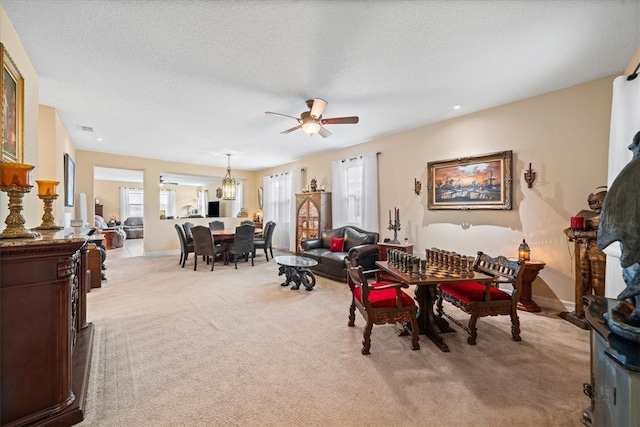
(457, 106)
(99, 139)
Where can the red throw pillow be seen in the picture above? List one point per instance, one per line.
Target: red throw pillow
(337, 245)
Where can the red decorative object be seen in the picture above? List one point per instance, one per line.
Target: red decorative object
(577, 222)
(337, 245)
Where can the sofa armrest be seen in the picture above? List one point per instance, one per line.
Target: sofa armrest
(364, 251)
(311, 244)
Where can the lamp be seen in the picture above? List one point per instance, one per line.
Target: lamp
(524, 252)
(228, 183)
(311, 127)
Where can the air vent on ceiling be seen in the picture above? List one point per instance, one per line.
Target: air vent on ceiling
(86, 128)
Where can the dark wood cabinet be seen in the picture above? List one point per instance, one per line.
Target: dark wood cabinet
(99, 210)
(45, 339)
(313, 216)
(383, 247)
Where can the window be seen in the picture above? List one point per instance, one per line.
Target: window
(355, 192)
(131, 202)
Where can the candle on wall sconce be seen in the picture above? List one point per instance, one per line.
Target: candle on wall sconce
(417, 186)
(529, 176)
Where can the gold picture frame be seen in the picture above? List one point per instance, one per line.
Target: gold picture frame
(479, 182)
(11, 109)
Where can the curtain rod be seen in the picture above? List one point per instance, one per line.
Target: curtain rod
(634, 74)
(360, 156)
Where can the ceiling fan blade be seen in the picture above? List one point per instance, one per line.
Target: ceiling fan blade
(292, 129)
(318, 107)
(340, 120)
(324, 133)
(278, 114)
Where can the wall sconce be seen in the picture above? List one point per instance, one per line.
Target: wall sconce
(529, 176)
(524, 252)
(417, 186)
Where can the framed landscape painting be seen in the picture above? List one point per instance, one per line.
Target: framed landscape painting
(11, 109)
(479, 182)
(69, 180)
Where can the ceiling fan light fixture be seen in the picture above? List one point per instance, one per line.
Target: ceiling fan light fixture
(228, 183)
(311, 127)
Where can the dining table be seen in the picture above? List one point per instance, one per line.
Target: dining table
(429, 323)
(230, 233)
(227, 236)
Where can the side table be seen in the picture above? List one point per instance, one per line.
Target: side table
(531, 269)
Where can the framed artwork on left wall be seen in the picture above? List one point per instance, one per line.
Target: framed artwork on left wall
(11, 109)
(69, 180)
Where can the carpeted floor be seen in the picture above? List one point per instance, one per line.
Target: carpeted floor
(174, 347)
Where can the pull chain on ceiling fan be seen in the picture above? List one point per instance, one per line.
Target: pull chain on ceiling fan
(311, 122)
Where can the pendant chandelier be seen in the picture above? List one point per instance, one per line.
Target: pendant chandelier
(228, 183)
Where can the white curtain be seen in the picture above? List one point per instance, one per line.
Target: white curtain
(168, 202)
(238, 202)
(625, 123)
(355, 192)
(131, 202)
(279, 206)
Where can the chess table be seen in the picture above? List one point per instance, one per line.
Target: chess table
(425, 294)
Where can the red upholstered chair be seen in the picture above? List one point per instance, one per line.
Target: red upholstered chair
(479, 300)
(380, 303)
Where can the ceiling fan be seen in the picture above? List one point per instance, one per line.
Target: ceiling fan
(311, 122)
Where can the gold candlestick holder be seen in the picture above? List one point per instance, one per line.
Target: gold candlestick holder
(47, 193)
(14, 180)
(48, 221)
(15, 221)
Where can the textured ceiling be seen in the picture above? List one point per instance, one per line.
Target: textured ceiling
(190, 81)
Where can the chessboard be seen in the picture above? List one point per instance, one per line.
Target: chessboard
(434, 274)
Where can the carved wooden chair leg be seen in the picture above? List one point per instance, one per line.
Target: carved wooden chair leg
(352, 314)
(515, 326)
(473, 331)
(366, 341)
(415, 335)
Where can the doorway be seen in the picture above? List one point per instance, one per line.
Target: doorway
(119, 196)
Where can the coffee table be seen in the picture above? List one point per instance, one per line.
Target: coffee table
(296, 270)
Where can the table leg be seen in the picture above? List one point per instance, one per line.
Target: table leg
(299, 276)
(429, 324)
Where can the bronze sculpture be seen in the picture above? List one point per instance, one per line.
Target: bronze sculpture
(619, 222)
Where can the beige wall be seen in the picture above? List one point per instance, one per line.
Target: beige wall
(33, 207)
(564, 134)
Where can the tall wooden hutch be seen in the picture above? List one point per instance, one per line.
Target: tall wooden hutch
(313, 216)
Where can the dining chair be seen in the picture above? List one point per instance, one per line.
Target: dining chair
(187, 231)
(185, 247)
(204, 245)
(265, 241)
(216, 225)
(247, 221)
(380, 303)
(243, 243)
